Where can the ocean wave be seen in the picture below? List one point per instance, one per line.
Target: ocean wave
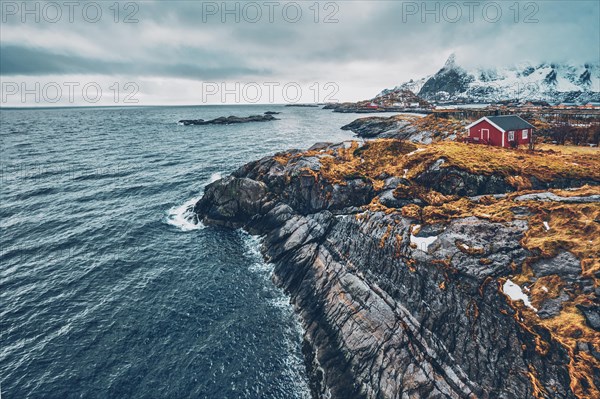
(214, 177)
(183, 216)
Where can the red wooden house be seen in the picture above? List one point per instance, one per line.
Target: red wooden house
(507, 131)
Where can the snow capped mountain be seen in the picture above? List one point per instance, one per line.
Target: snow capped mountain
(399, 97)
(550, 82)
(412, 85)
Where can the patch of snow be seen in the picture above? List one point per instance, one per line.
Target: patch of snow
(405, 174)
(415, 151)
(422, 243)
(544, 288)
(547, 226)
(514, 292)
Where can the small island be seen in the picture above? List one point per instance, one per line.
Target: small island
(302, 105)
(267, 117)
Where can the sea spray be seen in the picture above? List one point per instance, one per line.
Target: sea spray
(183, 216)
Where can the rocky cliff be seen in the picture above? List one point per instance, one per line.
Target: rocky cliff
(441, 271)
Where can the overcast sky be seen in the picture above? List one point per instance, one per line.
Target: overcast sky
(192, 52)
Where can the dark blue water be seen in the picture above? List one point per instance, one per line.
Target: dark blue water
(106, 290)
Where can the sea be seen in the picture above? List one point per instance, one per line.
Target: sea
(107, 287)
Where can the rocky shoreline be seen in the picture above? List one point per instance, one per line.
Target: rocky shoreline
(358, 108)
(400, 276)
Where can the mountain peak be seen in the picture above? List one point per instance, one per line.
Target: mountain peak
(450, 62)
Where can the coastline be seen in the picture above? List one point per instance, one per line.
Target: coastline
(373, 306)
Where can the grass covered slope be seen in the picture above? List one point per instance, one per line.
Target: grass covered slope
(378, 159)
(555, 192)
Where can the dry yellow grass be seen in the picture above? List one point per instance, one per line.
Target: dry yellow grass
(382, 158)
(571, 227)
(569, 328)
(544, 165)
(569, 149)
(371, 161)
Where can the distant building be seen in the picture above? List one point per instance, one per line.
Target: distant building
(502, 131)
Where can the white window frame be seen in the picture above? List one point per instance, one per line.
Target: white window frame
(511, 135)
(525, 134)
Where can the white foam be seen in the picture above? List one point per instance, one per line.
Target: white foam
(183, 216)
(214, 177)
(294, 362)
(515, 293)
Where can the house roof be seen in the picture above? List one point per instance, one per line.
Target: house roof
(505, 122)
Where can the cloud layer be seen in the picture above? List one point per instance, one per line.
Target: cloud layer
(362, 46)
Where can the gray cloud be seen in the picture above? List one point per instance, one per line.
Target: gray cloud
(18, 60)
(374, 44)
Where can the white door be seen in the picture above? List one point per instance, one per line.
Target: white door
(485, 133)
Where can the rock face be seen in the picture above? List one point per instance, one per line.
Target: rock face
(391, 309)
(417, 129)
(374, 126)
(229, 120)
